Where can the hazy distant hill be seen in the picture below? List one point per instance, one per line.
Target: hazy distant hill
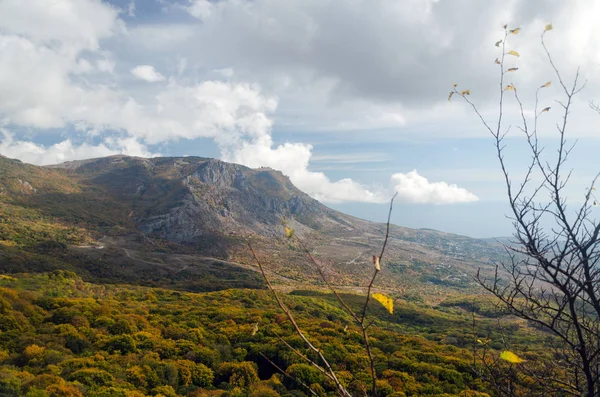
(186, 221)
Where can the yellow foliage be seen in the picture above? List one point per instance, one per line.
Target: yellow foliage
(386, 301)
(514, 53)
(289, 233)
(548, 27)
(515, 31)
(511, 357)
(33, 351)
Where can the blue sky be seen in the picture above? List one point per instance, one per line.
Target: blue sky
(347, 97)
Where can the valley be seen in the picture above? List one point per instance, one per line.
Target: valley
(120, 274)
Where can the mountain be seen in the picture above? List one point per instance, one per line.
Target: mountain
(186, 222)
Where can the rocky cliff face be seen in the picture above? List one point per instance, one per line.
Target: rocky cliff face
(190, 198)
(198, 208)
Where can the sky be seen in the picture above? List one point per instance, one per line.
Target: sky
(349, 98)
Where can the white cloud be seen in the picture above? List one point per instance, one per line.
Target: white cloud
(131, 8)
(45, 45)
(147, 73)
(34, 153)
(55, 73)
(200, 9)
(414, 188)
(75, 25)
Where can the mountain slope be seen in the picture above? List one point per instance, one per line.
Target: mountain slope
(180, 219)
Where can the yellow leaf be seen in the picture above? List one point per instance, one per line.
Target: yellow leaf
(454, 85)
(498, 43)
(511, 357)
(497, 61)
(546, 85)
(515, 31)
(546, 109)
(254, 329)
(386, 301)
(375, 257)
(512, 69)
(548, 27)
(509, 87)
(289, 233)
(465, 92)
(513, 52)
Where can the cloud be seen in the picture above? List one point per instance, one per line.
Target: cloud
(50, 52)
(131, 9)
(369, 64)
(200, 9)
(147, 73)
(56, 73)
(414, 188)
(74, 25)
(66, 150)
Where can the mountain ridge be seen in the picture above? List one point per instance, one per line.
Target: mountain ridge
(175, 209)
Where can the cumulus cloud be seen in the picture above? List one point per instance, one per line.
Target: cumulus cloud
(74, 25)
(147, 73)
(55, 73)
(31, 152)
(414, 188)
(389, 61)
(44, 48)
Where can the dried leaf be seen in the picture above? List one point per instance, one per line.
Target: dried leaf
(546, 85)
(454, 85)
(254, 329)
(545, 109)
(465, 92)
(289, 233)
(512, 69)
(505, 26)
(514, 53)
(509, 87)
(511, 357)
(386, 301)
(376, 258)
(497, 61)
(515, 31)
(450, 96)
(498, 43)
(548, 27)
